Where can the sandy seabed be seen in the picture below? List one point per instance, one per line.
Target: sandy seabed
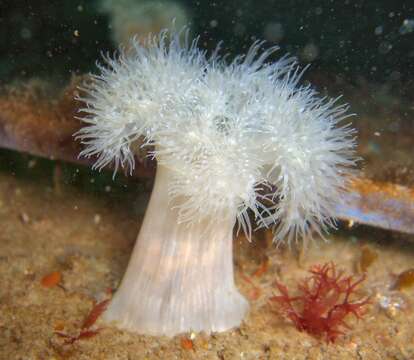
(87, 239)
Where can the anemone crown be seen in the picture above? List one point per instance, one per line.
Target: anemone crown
(239, 135)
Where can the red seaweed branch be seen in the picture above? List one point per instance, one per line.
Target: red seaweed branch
(85, 331)
(323, 302)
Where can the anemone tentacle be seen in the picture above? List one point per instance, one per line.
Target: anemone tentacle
(226, 129)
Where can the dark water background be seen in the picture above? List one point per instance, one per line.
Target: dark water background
(366, 45)
(372, 39)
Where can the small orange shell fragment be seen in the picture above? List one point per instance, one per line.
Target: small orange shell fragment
(405, 279)
(51, 280)
(59, 326)
(187, 344)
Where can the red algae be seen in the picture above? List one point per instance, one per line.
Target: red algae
(323, 302)
(89, 321)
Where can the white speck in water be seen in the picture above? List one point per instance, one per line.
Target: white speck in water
(407, 26)
(26, 34)
(384, 47)
(379, 30)
(213, 23)
(273, 32)
(310, 52)
(97, 219)
(318, 10)
(31, 164)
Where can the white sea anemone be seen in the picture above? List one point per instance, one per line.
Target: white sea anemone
(233, 142)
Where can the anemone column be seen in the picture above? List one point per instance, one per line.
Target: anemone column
(180, 276)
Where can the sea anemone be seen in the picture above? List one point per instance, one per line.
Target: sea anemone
(234, 142)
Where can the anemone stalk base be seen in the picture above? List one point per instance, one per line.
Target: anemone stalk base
(180, 277)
